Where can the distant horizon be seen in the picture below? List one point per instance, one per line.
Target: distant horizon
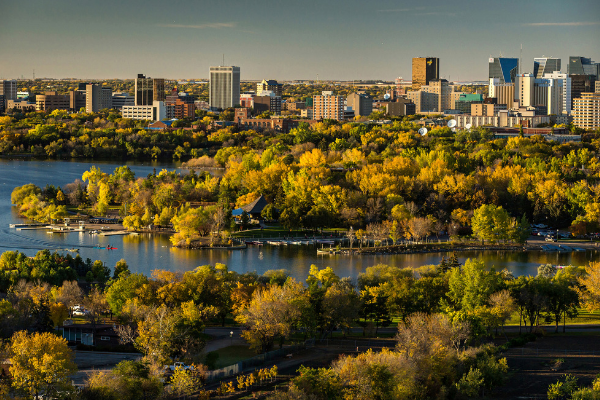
(314, 40)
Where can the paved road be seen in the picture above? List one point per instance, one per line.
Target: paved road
(90, 361)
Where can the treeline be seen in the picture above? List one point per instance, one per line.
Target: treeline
(444, 310)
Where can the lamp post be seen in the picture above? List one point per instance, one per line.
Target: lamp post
(231, 337)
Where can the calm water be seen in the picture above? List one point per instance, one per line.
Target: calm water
(145, 253)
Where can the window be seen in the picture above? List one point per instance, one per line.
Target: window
(104, 338)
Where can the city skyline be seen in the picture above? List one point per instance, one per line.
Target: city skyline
(105, 40)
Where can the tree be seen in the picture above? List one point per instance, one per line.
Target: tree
(271, 314)
(42, 363)
(590, 286)
(491, 223)
(70, 294)
(121, 268)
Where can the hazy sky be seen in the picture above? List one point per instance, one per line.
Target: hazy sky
(342, 39)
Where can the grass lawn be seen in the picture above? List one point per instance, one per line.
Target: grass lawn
(233, 354)
(584, 317)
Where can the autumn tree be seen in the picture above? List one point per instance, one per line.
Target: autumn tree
(41, 363)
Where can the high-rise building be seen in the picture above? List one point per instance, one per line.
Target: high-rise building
(97, 97)
(464, 101)
(224, 87)
(424, 69)
(581, 84)
(8, 89)
(361, 103)
(270, 85)
(328, 106)
(148, 90)
(559, 93)
(586, 111)
(504, 69)
(583, 66)
(545, 65)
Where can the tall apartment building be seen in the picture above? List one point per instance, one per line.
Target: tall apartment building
(269, 85)
(97, 97)
(51, 101)
(148, 90)
(361, 103)
(503, 69)
(224, 87)
(586, 111)
(545, 65)
(424, 69)
(328, 106)
(583, 66)
(552, 92)
(597, 87)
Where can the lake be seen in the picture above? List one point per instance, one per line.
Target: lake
(145, 253)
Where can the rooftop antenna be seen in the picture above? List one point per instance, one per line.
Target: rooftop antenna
(34, 74)
(223, 60)
(520, 58)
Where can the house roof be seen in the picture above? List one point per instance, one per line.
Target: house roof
(255, 207)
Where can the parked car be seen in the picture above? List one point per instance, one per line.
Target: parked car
(178, 364)
(550, 239)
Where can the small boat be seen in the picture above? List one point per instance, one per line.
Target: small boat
(273, 243)
(111, 248)
(296, 242)
(325, 241)
(73, 250)
(99, 247)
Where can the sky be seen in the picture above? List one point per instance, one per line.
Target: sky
(285, 40)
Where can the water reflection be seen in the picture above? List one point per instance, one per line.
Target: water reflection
(145, 253)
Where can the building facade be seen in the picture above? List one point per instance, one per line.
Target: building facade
(179, 106)
(424, 69)
(148, 90)
(97, 97)
(155, 112)
(361, 103)
(583, 66)
(224, 87)
(503, 69)
(122, 99)
(51, 101)
(545, 65)
(328, 106)
(401, 107)
(586, 111)
(269, 85)
(268, 101)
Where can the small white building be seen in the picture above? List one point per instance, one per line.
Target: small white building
(155, 112)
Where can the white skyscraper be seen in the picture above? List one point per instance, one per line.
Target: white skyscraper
(224, 87)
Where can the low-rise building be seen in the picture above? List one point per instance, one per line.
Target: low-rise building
(156, 112)
(20, 105)
(51, 101)
(400, 107)
(268, 101)
(328, 106)
(282, 125)
(122, 99)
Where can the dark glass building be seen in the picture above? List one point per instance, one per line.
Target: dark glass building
(583, 66)
(504, 69)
